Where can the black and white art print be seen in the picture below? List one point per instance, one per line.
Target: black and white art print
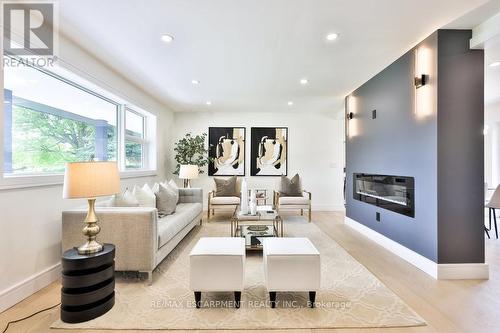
(269, 148)
(227, 151)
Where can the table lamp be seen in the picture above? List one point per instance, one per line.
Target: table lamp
(89, 180)
(188, 172)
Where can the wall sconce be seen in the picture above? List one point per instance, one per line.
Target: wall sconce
(421, 80)
(350, 115)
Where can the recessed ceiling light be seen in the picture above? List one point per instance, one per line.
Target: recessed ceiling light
(167, 38)
(195, 82)
(332, 36)
(208, 103)
(304, 81)
(495, 64)
(290, 103)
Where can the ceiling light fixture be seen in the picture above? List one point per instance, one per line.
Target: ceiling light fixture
(332, 36)
(167, 38)
(195, 82)
(304, 81)
(290, 103)
(495, 64)
(208, 103)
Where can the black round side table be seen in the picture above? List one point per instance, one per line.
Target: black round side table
(88, 284)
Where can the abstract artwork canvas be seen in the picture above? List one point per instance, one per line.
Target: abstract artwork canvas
(227, 151)
(269, 148)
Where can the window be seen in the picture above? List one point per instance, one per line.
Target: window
(134, 139)
(50, 120)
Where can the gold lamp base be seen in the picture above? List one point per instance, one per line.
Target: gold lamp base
(91, 230)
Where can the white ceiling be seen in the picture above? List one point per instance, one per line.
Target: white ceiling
(250, 55)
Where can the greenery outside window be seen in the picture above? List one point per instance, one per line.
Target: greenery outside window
(135, 139)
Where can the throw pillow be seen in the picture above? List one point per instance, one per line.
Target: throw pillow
(166, 200)
(145, 196)
(225, 187)
(170, 185)
(125, 199)
(174, 187)
(291, 187)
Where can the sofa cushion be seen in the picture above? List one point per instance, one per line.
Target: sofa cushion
(225, 201)
(145, 196)
(166, 200)
(171, 225)
(294, 201)
(125, 199)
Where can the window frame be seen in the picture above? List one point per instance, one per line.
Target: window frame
(143, 141)
(12, 181)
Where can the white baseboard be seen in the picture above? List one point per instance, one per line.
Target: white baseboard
(28, 287)
(437, 271)
(463, 271)
(327, 208)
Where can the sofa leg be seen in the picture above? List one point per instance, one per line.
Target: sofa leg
(149, 277)
(312, 298)
(272, 298)
(208, 214)
(301, 212)
(309, 215)
(237, 299)
(197, 299)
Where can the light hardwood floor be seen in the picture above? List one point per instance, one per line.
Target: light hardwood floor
(447, 306)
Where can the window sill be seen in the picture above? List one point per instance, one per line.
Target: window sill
(32, 181)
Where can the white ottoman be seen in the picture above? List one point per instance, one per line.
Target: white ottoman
(217, 264)
(291, 264)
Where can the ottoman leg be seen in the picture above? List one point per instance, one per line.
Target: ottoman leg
(237, 299)
(312, 298)
(197, 299)
(272, 297)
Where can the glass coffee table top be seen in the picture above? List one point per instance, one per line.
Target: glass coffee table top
(254, 228)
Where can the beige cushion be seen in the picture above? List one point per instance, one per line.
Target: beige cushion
(294, 201)
(225, 187)
(225, 201)
(166, 199)
(171, 225)
(291, 187)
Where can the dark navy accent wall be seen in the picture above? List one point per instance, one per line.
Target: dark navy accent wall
(398, 143)
(406, 138)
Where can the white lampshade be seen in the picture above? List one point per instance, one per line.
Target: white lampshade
(188, 172)
(91, 179)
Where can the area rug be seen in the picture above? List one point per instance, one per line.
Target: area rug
(350, 296)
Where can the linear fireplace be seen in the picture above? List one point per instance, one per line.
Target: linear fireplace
(395, 193)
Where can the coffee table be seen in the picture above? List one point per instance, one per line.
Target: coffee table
(253, 228)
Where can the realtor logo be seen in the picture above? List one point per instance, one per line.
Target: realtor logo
(29, 28)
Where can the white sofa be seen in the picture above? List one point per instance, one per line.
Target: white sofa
(142, 239)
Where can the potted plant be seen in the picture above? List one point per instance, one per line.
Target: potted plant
(191, 150)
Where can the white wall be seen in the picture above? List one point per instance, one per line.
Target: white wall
(492, 145)
(315, 149)
(30, 218)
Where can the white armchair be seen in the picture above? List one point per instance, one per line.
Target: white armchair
(293, 203)
(227, 203)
